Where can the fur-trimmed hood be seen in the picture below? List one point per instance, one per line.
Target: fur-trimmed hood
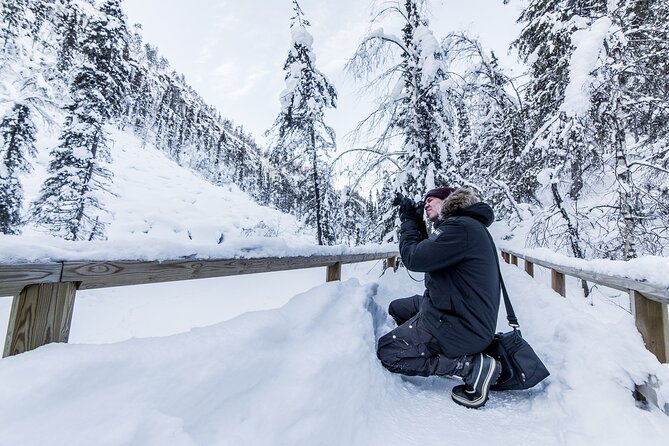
(465, 202)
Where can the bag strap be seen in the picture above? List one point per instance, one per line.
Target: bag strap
(510, 314)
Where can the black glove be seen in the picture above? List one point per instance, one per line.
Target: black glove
(408, 209)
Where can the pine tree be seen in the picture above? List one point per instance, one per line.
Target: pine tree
(70, 27)
(599, 117)
(13, 23)
(18, 141)
(417, 118)
(302, 137)
(417, 115)
(69, 202)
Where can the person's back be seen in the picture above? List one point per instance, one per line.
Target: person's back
(467, 289)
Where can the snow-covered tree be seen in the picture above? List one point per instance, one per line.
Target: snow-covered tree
(598, 102)
(631, 109)
(69, 201)
(18, 141)
(69, 27)
(302, 139)
(560, 153)
(414, 125)
(12, 22)
(492, 130)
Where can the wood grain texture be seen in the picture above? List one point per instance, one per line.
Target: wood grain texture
(90, 275)
(529, 268)
(14, 277)
(41, 314)
(44, 293)
(333, 273)
(557, 283)
(651, 320)
(109, 274)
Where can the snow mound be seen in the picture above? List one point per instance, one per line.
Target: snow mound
(307, 373)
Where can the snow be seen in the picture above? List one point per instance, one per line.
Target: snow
(306, 373)
(428, 46)
(589, 45)
(546, 176)
(160, 211)
(648, 269)
(300, 36)
(282, 358)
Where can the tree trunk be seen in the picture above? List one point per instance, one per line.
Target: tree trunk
(317, 190)
(624, 179)
(572, 233)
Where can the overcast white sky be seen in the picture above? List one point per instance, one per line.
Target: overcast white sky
(232, 52)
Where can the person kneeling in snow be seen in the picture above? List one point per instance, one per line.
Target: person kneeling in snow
(444, 331)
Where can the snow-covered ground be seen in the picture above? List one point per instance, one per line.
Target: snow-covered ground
(306, 373)
(283, 358)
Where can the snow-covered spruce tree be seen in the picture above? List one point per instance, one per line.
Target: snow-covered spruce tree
(69, 26)
(561, 154)
(545, 43)
(69, 201)
(352, 218)
(414, 123)
(302, 139)
(13, 22)
(17, 131)
(600, 149)
(492, 130)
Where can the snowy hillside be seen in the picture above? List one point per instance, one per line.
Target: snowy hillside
(158, 210)
(307, 374)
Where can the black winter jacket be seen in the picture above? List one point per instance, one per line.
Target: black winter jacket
(461, 300)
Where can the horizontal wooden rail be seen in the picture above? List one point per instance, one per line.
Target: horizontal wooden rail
(44, 293)
(653, 292)
(92, 275)
(648, 305)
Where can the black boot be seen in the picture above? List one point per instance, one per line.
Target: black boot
(483, 372)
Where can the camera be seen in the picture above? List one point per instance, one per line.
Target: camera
(405, 202)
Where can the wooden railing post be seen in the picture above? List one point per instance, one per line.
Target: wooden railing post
(514, 260)
(557, 282)
(333, 272)
(40, 314)
(529, 268)
(652, 322)
(392, 263)
(505, 256)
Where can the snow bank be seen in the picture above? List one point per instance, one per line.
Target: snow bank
(307, 373)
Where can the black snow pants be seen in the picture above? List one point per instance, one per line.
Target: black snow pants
(410, 349)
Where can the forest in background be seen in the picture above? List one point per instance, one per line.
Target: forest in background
(576, 149)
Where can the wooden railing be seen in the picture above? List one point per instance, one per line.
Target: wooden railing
(648, 305)
(44, 293)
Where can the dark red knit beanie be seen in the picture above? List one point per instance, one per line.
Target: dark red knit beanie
(440, 192)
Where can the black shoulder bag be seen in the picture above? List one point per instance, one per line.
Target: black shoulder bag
(521, 367)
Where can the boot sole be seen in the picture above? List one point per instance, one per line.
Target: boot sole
(491, 377)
